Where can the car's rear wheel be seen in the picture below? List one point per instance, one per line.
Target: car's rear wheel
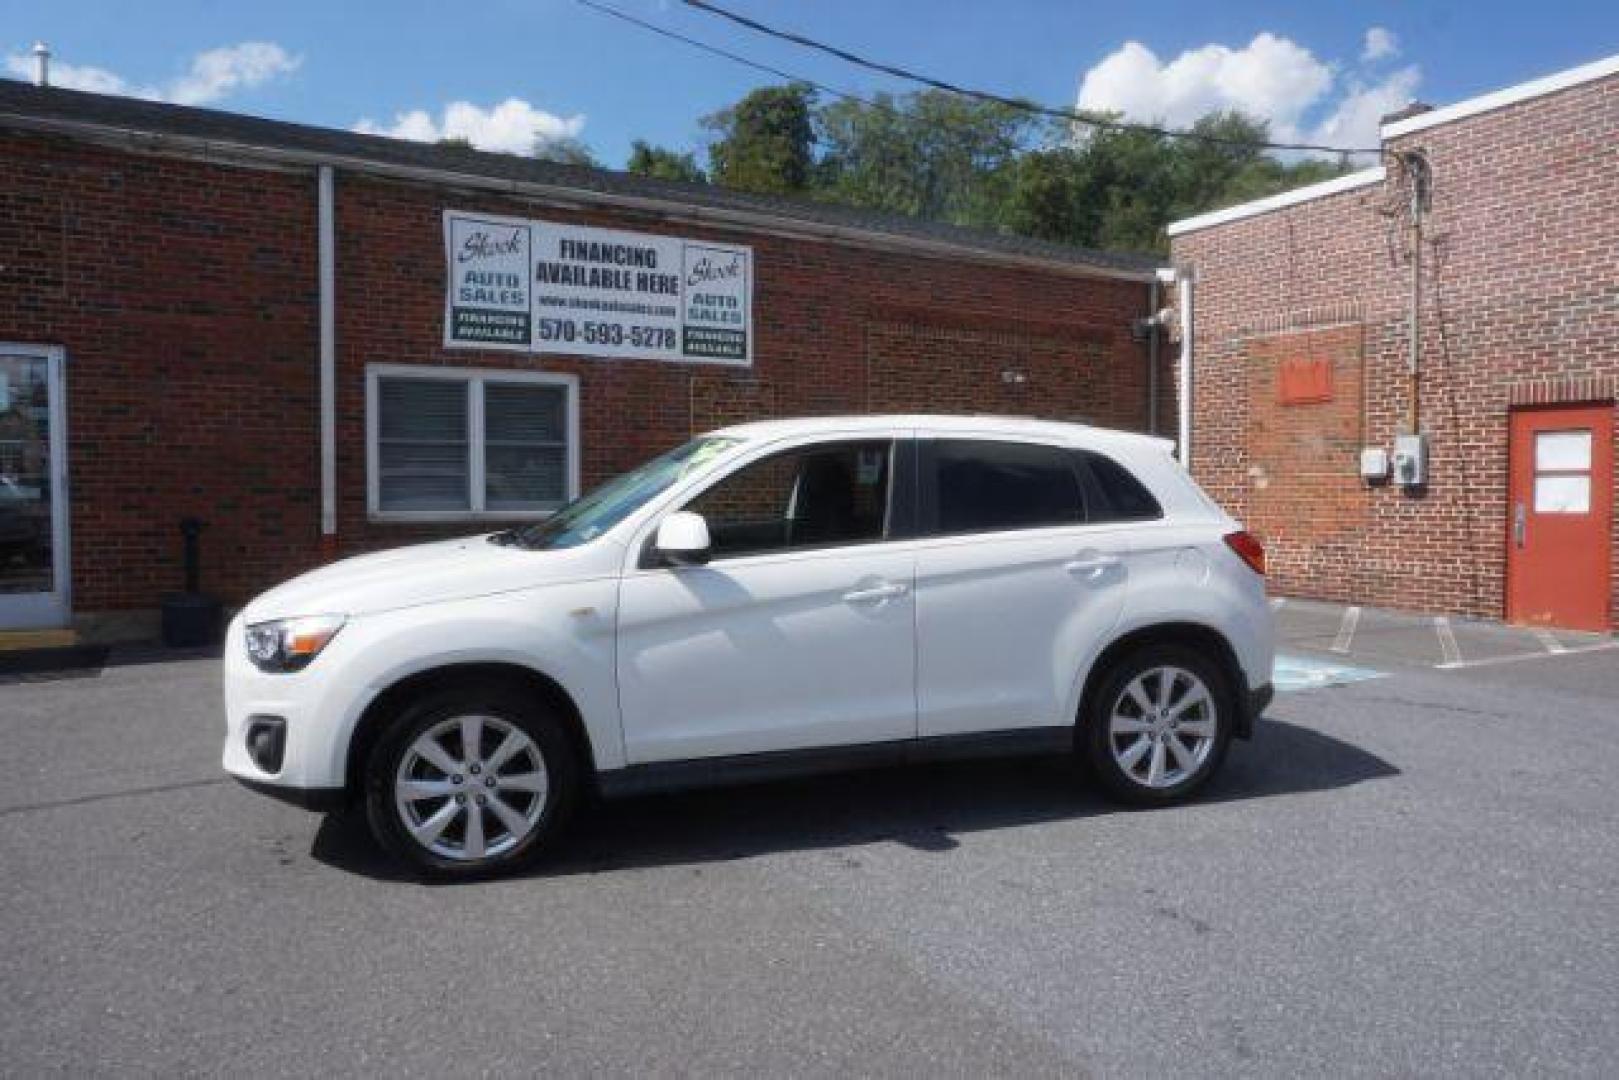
(1158, 725)
(469, 782)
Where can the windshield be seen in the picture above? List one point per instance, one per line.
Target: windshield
(588, 517)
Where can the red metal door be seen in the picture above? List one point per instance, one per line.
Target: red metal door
(1559, 524)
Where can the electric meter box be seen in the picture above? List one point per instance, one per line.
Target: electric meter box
(1411, 460)
(1374, 464)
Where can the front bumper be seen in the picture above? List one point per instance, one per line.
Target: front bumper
(320, 800)
(311, 758)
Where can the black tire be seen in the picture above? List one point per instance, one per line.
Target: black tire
(504, 705)
(1097, 741)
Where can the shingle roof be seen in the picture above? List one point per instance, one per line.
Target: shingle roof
(23, 104)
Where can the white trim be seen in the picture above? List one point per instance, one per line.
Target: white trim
(48, 610)
(475, 378)
(1549, 84)
(327, 273)
(1338, 184)
(762, 222)
(1185, 291)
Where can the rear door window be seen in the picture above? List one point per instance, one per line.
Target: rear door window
(980, 485)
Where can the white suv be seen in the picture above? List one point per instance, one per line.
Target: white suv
(771, 598)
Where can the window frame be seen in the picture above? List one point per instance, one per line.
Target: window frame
(899, 515)
(474, 379)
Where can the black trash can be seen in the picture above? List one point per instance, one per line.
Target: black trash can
(191, 619)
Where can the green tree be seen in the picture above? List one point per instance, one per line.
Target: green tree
(649, 160)
(564, 150)
(766, 141)
(1051, 197)
(930, 154)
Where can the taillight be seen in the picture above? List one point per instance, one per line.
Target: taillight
(1248, 549)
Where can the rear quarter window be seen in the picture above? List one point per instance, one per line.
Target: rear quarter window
(1115, 493)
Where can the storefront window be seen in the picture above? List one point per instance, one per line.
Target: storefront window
(448, 444)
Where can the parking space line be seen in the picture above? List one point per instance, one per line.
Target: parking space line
(1346, 630)
(1565, 650)
(1547, 641)
(1447, 640)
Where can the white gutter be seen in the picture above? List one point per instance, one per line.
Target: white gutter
(221, 152)
(1499, 99)
(1347, 182)
(327, 246)
(1185, 278)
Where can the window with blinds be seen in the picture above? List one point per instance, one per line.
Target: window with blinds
(478, 443)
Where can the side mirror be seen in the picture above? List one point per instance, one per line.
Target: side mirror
(683, 539)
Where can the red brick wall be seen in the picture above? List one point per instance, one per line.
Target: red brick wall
(1521, 303)
(185, 297)
(185, 294)
(837, 329)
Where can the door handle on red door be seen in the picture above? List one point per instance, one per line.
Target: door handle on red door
(1520, 522)
(876, 594)
(1090, 564)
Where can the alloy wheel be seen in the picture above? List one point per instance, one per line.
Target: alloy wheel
(471, 788)
(1162, 727)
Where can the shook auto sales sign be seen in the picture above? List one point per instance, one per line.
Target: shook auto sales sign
(538, 286)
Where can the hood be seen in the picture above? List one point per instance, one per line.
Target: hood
(422, 574)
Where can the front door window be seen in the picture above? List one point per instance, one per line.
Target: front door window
(25, 476)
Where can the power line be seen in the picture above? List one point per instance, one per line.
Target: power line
(873, 103)
(1070, 115)
(717, 51)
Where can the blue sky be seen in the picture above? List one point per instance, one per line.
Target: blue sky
(498, 69)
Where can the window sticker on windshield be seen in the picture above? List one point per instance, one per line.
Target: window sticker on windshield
(870, 469)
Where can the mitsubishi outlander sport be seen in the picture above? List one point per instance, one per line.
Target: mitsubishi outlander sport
(766, 599)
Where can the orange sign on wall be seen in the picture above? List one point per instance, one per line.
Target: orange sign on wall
(1304, 380)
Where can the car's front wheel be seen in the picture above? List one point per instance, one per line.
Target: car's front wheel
(468, 782)
(1158, 725)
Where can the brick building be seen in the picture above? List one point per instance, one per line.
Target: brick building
(273, 328)
(1300, 355)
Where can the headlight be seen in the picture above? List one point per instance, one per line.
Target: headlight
(290, 644)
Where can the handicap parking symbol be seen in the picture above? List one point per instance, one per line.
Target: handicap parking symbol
(1293, 672)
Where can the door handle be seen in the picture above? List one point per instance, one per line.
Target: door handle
(1520, 523)
(1091, 566)
(876, 594)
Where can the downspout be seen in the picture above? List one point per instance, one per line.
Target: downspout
(1153, 333)
(327, 245)
(1185, 278)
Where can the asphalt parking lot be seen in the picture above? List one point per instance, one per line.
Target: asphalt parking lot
(1417, 872)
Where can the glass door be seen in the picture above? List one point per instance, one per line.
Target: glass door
(33, 507)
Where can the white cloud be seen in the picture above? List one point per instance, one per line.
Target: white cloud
(217, 73)
(1356, 117)
(213, 74)
(510, 127)
(1381, 44)
(72, 76)
(1304, 97)
(1269, 77)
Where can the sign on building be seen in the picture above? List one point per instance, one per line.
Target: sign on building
(539, 286)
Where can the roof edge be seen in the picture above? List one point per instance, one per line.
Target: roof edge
(1338, 184)
(1497, 99)
(229, 152)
